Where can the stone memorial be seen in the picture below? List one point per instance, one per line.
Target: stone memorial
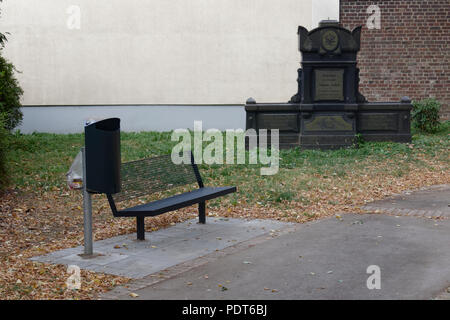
(328, 110)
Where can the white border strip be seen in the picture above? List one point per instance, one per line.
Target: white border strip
(71, 119)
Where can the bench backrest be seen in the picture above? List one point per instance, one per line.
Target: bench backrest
(156, 174)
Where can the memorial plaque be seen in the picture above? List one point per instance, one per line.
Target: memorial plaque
(281, 121)
(378, 121)
(329, 84)
(328, 123)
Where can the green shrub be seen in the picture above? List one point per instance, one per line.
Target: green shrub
(4, 142)
(425, 115)
(10, 93)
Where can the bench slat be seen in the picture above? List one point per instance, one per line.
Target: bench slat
(176, 202)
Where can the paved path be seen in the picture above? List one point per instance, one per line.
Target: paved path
(327, 259)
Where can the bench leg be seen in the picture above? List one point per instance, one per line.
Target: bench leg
(140, 228)
(202, 212)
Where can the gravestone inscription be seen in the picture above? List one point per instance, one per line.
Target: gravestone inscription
(329, 85)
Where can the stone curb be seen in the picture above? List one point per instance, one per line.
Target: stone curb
(431, 214)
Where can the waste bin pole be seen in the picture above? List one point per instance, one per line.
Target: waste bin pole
(87, 208)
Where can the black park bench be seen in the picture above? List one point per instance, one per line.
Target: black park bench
(157, 174)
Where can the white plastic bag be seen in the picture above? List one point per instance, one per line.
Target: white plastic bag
(75, 173)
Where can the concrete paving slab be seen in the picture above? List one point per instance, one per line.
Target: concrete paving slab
(327, 259)
(125, 256)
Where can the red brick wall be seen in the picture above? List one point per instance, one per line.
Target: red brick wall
(409, 55)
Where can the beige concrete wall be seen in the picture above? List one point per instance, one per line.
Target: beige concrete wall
(156, 51)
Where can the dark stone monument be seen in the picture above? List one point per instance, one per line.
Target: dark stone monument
(328, 110)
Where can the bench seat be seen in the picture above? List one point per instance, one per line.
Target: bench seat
(175, 202)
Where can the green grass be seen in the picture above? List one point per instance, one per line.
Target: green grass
(39, 162)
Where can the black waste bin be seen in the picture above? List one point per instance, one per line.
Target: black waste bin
(102, 149)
